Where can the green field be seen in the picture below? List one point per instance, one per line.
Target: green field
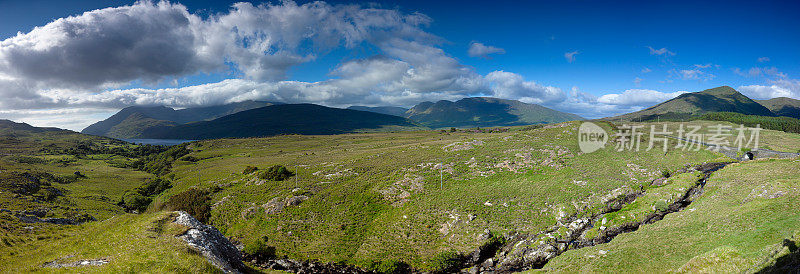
(418, 198)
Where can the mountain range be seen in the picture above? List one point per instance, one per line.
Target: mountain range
(484, 112)
(684, 106)
(138, 121)
(783, 106)
(255, 118)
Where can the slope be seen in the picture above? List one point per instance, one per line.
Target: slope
(484, 112)
(783, 106)
(286, 119)
(134, 122)
(720, 99)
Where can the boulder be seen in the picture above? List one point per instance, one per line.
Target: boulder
(217, 249)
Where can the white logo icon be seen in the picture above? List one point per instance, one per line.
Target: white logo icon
(591, 137)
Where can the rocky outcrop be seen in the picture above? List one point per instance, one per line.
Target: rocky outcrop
(217, 249)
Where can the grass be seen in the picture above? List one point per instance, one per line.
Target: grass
(746, 212)
(409, 195)
(131, 243)
(376, 200)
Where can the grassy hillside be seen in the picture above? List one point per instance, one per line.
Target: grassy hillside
(422, 198)
(745, 221)
(720, 99)
(396, 111)
(369, 197)
(484, 112)
(136, 122)
(783, 106)
(287, 119)
(785, 124)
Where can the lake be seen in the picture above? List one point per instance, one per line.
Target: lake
(158, 142)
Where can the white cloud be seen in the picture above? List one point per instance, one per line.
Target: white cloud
(763, 59)
(661, 51)
(480, 50)
(646, 70)
(570, 56)
(638, 97)
(779, 88)
(703, 66)
(637, 81)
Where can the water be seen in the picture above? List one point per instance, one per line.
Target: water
(158, 142)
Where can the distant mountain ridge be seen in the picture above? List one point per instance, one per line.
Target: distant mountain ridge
(272, 120)
(783, 106)
(684, 106)
(484, 112)
(137, 121)
(396, 111)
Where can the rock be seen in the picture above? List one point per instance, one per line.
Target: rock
(274, 206)
(295, 200)
(659, 182)
(217, 249)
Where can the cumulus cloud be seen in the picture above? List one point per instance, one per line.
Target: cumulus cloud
(638, 97)
(570, 56)
(77, 70)
(483, 51)
(777, 88)
(661, 51)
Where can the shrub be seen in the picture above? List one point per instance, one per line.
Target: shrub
(193, 201)
(276, 173)
(389, 266)
(189, 158)
(135, 201)
(260, 249)
(661, 206)
(665, 173)
(249, 169)
(154, 187)
(446, 262)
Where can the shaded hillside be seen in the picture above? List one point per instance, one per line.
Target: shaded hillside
(396, 111)
(22, 138)
(720, 99)
(783, 106)
(136, 121)
(286, 119)
(484, 112)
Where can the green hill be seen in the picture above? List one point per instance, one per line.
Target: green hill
(720, 99)
(137, 121)
(783, 106)
(306, 119)
(484, 112)
(396, 111)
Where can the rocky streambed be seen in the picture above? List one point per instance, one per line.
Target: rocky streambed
(525, 251)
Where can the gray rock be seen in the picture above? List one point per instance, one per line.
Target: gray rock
(217, 249)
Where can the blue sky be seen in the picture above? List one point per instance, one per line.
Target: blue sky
(593, 58)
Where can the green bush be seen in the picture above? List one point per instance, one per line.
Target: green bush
(389, 266)
(446, 262)
(249, 169)
(665, 173)
(190, 158)
(276, 173)
(154, 187)
(135, 201)
(259, 249)
(661, 206)
(193, 201)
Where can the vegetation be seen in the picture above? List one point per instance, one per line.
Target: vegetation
(688, 105)
(783, 106)
(785, 124)
(286, 119)
(194, 201)
(741, 223)
(275, 173)
(484, 112)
